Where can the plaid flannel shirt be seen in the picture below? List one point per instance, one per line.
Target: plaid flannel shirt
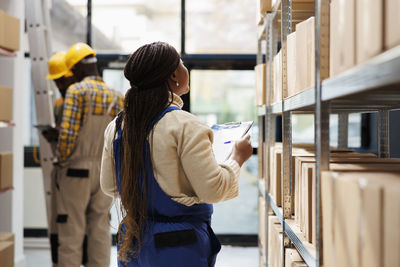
(76, 109)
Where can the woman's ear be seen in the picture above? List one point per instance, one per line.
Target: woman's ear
(173, 76)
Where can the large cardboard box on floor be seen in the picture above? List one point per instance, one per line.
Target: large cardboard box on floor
(392, 23)
(305, 55)
(369, 29)
(6, 99)
(9, 31)
(6, 170)
(342, 36)
(7, 254)
(260, 84)
(355, 224)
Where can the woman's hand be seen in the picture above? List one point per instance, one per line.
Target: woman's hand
(242, 150)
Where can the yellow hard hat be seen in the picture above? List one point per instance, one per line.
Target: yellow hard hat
(76, 53)
(57, 67)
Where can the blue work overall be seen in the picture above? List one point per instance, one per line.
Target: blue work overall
(177, 235)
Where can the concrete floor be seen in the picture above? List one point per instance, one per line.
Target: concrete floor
(39, 256)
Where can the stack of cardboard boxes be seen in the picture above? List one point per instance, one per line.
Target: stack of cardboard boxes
(304, 194)
(360, 30)
(9, 41)
(361, 193)
(361, 218)
(6, 249)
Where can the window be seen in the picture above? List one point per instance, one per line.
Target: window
(133, 24)
(221, 27)
(219, 96)
(303, 129)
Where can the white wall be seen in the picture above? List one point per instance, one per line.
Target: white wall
(11, 75)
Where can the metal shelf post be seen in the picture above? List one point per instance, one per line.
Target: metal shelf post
(343, 130)
(383, 134)
(286, 29)
(321, 111)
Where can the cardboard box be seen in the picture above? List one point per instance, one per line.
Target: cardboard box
(334, 39)
(9, 31)
(391, 222)
(277, 72)
(273, 221)
(308, 182)
(6, 236)
(6, 100)
(264, 6)
(327, 216)
(342, 36)
(310, 52)
(357, 235)
(369, 40)
(277, 245)
(291, 65)
(7, 254)
(6, 170)
(261, 222)
(305, 55)
(260, 84)
(392, 23)
(293, 258)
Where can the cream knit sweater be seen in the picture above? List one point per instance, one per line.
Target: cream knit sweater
(183, 161)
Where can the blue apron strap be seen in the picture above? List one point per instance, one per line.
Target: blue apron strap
(117, 146)
(168, 109)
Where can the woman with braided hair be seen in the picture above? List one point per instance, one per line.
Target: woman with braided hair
(158, 160)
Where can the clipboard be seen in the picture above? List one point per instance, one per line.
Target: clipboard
(225, 136)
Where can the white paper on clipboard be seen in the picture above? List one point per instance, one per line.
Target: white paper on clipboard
(225, 136)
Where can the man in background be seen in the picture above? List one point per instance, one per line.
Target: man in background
(82, 207)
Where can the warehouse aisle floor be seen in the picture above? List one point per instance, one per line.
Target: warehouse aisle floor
(228, 257)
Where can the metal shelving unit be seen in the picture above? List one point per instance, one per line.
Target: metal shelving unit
(371, 87)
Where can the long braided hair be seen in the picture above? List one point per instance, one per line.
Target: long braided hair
(147, 70)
